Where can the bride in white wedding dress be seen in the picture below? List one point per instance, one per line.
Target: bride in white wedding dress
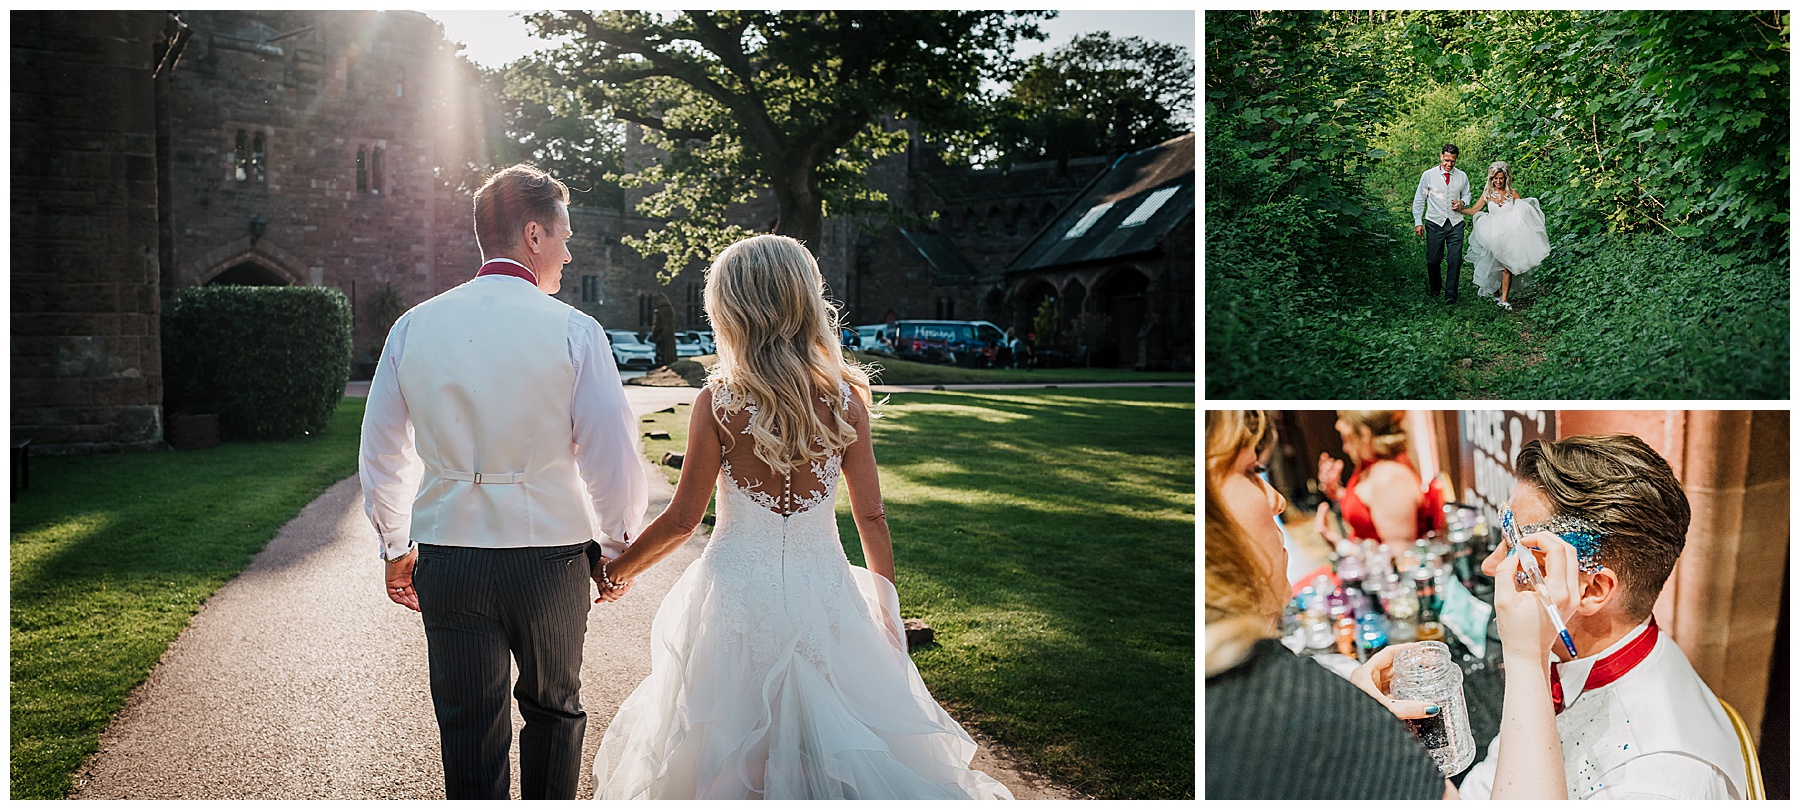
(778, 669)
(1508, 240)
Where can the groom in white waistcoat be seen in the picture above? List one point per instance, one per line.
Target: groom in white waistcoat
(499, 464)
(1441, 191)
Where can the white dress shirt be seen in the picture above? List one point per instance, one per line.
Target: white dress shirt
(1657, 732)
(1431, 200)
(603, 432)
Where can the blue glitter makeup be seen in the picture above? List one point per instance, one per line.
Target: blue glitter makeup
(1579, 532)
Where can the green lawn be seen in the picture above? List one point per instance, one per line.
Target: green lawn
(112, 555)
(1048, 538)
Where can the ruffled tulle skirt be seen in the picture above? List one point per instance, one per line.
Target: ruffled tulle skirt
(790, 686)
(1510, 237)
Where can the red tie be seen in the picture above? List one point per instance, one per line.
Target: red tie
(1446, 178)
(1555, 688)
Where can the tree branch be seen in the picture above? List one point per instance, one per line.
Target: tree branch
(661, 125)
(758, 125)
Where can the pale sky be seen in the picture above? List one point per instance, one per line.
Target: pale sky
(494, 38)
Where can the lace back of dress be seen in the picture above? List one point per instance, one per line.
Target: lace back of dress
(806, 486)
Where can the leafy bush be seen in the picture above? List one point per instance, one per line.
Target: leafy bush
(270, 361)
(1657, 317)
(1634, 121)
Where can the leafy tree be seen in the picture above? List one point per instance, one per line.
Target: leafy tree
(791, 102)
(1065, 102)
(545, 123)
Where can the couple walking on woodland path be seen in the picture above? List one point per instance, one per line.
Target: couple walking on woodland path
(1508, 240)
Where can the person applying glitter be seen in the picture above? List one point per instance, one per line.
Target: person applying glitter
(1634, 718)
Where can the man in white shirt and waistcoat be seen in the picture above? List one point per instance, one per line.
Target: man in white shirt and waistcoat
(1635, 719)
(1442, 190)
(497, 448)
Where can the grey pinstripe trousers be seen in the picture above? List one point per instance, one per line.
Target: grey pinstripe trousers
(482, 607)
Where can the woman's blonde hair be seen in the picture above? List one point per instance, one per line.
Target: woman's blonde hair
(1241, 609)
(778, 347)
(1387, 427)
(1500, 166)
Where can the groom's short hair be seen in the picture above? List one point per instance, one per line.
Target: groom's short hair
(1449, 147)
(512, 197)
(1620, 483)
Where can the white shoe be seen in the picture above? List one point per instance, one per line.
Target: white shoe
(1505, 305)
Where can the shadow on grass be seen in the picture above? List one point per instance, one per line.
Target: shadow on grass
(1054, 557)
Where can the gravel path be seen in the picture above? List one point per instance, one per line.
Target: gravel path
(300, 680)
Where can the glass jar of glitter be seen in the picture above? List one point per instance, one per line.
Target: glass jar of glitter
(1425, 671)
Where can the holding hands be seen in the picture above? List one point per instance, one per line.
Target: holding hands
(610, 590)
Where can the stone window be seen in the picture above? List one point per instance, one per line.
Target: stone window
(646, 310)
(241, 168)
(362, 170)
(259, 160)
(696, 304)
(946, 309)
(590, 289)
(376, 179)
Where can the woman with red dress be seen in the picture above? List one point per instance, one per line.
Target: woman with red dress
(1385, 498)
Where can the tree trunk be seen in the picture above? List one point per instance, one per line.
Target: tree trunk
(800, 211)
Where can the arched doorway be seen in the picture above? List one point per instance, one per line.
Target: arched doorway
(1029, 300)
(1080, 325)
(1121, 298)
(248, 274)
(993, 305)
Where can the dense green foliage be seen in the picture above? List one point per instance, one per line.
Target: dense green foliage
(1066, 103)
(788, 103)
(1656, 143)
(112, 555)
(270, 361)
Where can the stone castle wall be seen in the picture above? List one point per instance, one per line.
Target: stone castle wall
(86, 354)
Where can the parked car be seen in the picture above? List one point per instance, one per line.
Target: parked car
(629, 350)
(687, 345)
(706, 341)
(868, 338)
(955, 342)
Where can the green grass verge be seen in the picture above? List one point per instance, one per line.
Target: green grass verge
(1048, 538)
(112, 555)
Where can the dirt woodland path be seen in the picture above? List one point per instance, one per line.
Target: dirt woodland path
(300, 680)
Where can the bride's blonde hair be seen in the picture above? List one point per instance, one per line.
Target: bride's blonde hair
(1500, 166)
(778, 348)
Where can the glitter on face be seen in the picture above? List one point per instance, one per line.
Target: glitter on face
(1579, 532)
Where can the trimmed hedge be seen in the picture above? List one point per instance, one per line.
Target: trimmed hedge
(270, 361)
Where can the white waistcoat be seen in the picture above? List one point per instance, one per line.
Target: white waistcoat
(489, 384)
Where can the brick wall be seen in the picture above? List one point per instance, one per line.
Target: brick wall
(86, 364)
